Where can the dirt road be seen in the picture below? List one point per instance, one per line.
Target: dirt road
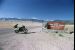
(36, 40)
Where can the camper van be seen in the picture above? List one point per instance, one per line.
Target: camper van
(55, 25)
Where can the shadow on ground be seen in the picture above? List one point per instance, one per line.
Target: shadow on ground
(27, 33)
(1, 48)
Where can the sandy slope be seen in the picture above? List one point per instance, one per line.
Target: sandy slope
(36, 40)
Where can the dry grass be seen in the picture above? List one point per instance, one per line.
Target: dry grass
(69, 28)
(10, 24)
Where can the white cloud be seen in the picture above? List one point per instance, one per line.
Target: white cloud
(51, 20)
(47, 19)
(19, 18)
(34, 18)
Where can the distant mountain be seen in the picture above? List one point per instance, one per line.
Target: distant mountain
(65, 21)
(37, 20)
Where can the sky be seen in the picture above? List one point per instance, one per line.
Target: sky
(37, 9)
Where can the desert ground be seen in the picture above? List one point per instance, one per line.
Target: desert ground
(36, 39)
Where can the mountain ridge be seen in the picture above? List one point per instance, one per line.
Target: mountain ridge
(38, 20)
